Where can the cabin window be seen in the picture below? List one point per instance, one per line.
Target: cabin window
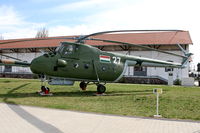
(86, 66)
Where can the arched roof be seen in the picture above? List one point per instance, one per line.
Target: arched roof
(147, 38)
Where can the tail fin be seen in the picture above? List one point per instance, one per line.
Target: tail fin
(186, 59)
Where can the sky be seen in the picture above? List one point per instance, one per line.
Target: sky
(23, 18)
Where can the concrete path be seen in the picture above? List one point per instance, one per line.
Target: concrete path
(25, 119)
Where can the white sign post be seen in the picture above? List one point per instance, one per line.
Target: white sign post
(157, 91)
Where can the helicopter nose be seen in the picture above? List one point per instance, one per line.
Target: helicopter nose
(37, 65)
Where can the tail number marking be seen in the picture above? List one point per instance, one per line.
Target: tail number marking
(117, 60)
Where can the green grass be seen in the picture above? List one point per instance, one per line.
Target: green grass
(122, 99)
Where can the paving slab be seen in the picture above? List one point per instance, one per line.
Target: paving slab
(26, 119)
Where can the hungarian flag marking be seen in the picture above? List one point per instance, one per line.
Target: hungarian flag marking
(104, 58)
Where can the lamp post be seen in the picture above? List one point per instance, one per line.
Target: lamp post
(198, 70)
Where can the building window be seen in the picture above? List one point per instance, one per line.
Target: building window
(140, 71)
(8, 69)
(169, 69)
(139, 68)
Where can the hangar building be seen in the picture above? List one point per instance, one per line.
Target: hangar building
(167, 41)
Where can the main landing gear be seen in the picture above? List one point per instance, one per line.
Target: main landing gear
(83, 85)
(100, 87)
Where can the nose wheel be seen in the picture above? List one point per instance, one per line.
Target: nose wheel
(45, 91)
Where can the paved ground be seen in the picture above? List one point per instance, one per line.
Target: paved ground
(24, 119)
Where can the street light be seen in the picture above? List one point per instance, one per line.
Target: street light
(198, 70)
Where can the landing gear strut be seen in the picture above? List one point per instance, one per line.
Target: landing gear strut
(83, 85)
(100, 88)
(44, 89)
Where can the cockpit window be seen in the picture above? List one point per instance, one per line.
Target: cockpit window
(60, 48)
(57, 49)
(68, 49)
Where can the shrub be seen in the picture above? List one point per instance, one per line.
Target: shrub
(177, 82)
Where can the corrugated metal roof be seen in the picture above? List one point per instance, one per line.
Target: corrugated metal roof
(151, 38)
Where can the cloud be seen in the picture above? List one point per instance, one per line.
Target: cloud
(13, 25)
(8, 17)
(154, 14)
(80, 5)
(147, 14)
(66, 30)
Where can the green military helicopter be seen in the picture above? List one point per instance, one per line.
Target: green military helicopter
(81, 62)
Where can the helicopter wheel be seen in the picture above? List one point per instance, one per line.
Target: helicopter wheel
(101, 88)
(83, 85)
(45, 91)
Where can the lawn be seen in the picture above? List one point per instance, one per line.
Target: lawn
(176, 102)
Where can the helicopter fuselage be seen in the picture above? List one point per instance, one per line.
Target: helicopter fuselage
(80, 62)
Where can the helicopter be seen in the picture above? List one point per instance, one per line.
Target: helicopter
(77, 61)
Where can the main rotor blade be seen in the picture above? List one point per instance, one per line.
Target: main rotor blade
(36, 39)
(130, 44)
(10, 57)
(114, 31)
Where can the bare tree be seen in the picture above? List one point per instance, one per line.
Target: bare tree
(42, 33)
